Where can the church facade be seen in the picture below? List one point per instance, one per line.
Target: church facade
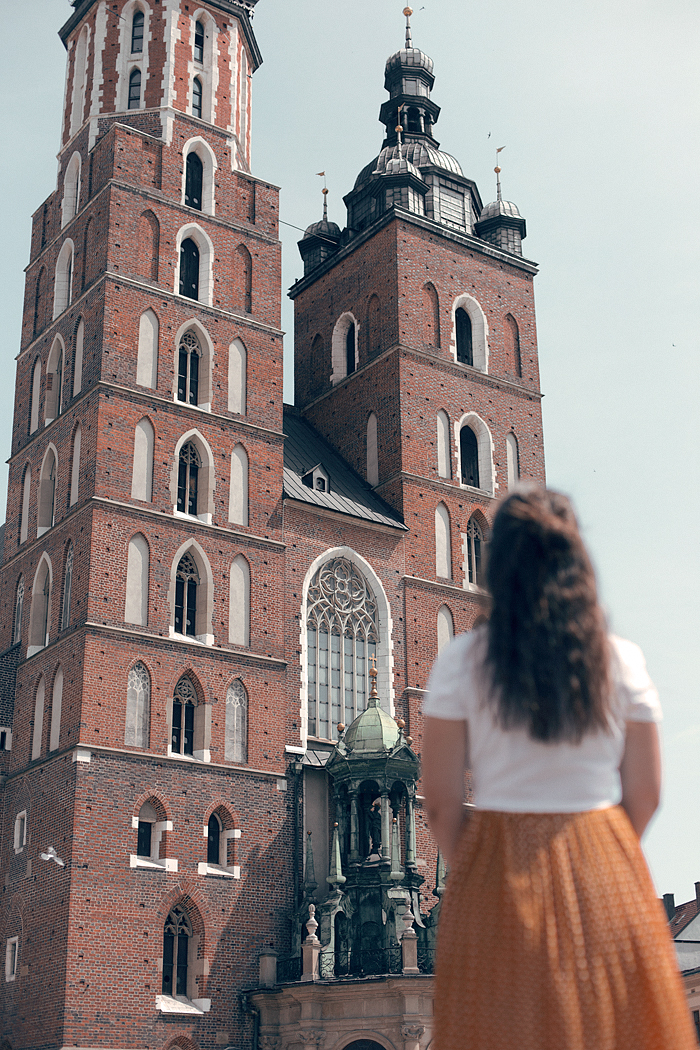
(219, 611)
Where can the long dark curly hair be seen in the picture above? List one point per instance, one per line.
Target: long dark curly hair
(547, 651)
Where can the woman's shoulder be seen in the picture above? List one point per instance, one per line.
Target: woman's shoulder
(451, 684)
(631, 683)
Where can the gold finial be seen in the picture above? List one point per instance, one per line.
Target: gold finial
(400, 723)
(324, 191)
(498, 174)
(408, 11)
(409, 740)
(373, 694)
(341, 727)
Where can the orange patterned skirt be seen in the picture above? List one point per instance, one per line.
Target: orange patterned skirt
(552, 938)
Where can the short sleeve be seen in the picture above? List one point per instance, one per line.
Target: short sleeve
(634, 690)
(450, 683)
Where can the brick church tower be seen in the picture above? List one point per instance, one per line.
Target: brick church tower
(196, 580)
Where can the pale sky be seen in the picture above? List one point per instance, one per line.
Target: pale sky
(597, 105)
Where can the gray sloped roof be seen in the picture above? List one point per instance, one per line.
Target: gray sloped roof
(304, 449)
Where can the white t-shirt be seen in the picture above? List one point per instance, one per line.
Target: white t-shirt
(510, 770)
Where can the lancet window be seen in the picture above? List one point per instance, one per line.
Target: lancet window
(176, 940)
(342, 635)
(184, 704)
(186, 584)
(189, 354)
(188, 479)
(475, 543)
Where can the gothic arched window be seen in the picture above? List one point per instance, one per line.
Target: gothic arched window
(197, 99)
(342, 634)
(176, 942)
(186, 584)
(67, 588)
(135, 90)
(475, 543)
(194, 169)
(214, 840)
(512, 460)
(19, 608)
(137, 34)
(188, 479)
(236, 749)
(189, 353)
(184, 704)
(138, 707)
(463, 332)
(189, 269)
(198, 42)
(47, 493)
(469, 456)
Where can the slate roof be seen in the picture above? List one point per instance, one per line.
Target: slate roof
(304, 449)
(685, 913)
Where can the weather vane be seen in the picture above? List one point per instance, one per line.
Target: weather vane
(497, 169)
(324, 191)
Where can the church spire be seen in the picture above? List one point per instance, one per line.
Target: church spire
(408, 11)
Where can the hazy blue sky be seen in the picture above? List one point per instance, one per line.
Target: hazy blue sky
(597, 104)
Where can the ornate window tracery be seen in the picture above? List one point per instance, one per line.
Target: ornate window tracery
(475, 542)
(67, 588)
(138, 703)
(236, 749)
(184, 704)
(19, 608)
(188, 479)
(342, 635)
(186, 584)
(189, 353)
(176, 938)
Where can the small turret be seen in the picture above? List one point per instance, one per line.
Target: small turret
(500, 223)
(320, 239)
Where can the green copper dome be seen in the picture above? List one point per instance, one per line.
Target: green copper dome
(372, 730)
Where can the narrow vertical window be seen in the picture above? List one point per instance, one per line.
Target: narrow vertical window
(142, 470)
(197, 102)
(75, 467)
(137, 573)
(350, 350)
(135, 90)
(244, 279)
(198, 42)
(138, 709)
(512, 345)
(184, 704)
(63, 279)
(213, 840)
(54, 382)
(36, 395)
(238, 496)
(19, 609)
(475, 541)
(145, 842)
(236, 740)
(512, 460)
(11, 957)
(189, 353)
(189, 269)
(431, 316)
(78, 359)
(47, 493)
(186, 584)
(137, 34)
(176, 937)
(67, 588)
(147, 357)
(56, 706)
(469, 456)
(26, 493)
(463, 332)
(372, 451)
(239, 602)
(443, 542)
(194, 169)
(188, 479)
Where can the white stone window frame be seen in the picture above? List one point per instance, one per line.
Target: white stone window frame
(239, 484)
(385, 647)
(467, 585)
(11, 959)
(206, 481)
(338, 346)
(443, 450)
(70, 205)
(41, 529)
(20, 831)
(154, 862)
(202, 720)
(210, 166)
(64, 275)
(8, 738)
(208, 70)
(222, 870)
(126, 62)
(206, 361)
(480, 332)
(484, 441)
(38, 575)
(206, 262)
(81, 53)
(78, 357)
(196, 967)
(443, 542)
(512, 460)
(205, 601)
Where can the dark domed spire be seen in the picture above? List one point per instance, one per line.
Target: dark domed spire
(320, 239)
(500, 222)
